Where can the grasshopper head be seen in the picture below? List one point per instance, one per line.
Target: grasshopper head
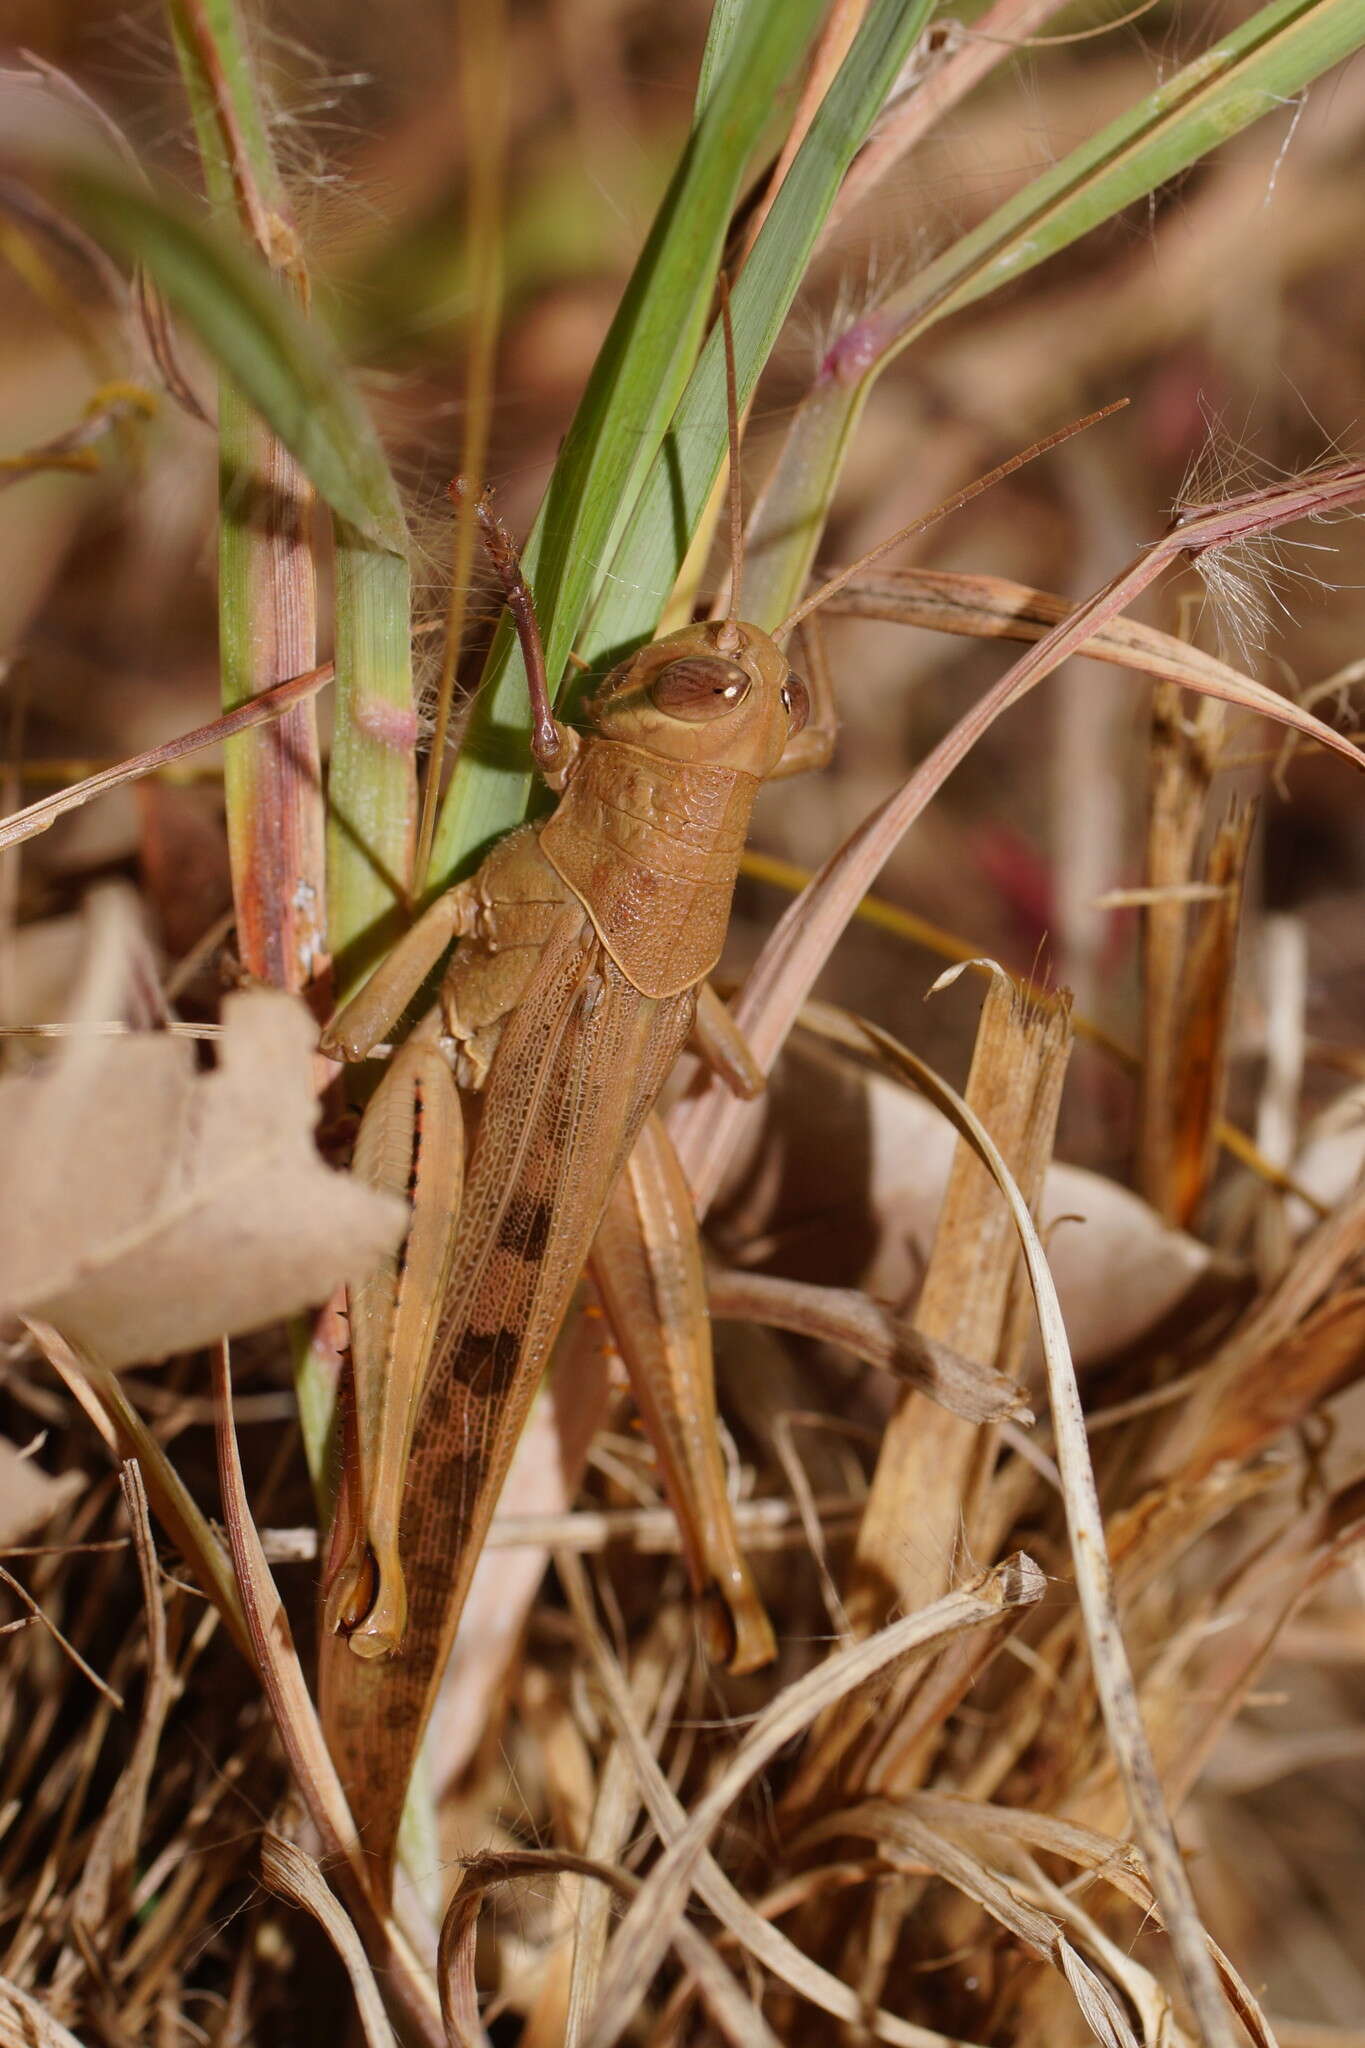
(718, 693)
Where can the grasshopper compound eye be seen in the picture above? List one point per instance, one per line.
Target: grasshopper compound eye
(795, 702)
(699, 687)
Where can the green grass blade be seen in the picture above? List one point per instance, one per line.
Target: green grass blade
(284, 365)
(1249, 72)
(620, 424)
(372, 778)
(727, 19)
(216, 68)
(267, 600)
(288, 370)
(241, 176)
(643, 572)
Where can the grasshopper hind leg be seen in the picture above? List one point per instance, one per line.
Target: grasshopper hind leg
(412, 1143)
(647, 1268)
(368, 1606)
(735, 1628)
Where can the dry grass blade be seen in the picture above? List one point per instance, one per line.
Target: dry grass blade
(873, 1333)
(904, 1835)
(272, 1642)
(1183, 759)
(770, 1523)
(106, 1878)
(97, 1390)
(1116, 1863)
(982, 607)
(1298, 1342)
(927, 1457)
(1094, 1579)
(764, 1942)
(296, 1718)
(36, 818)
(1201, 1058)
(295, 1877)
(943, 79)
(68, 1649)
(785, 973)
(25, 2023)
(659, 1670)
(644, 1933)
(738, 2019)
(840, 27)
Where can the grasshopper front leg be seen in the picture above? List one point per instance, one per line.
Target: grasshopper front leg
(372, 1013)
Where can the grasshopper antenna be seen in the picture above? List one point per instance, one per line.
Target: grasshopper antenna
(941, 511)
(732, 428)
(546, 743)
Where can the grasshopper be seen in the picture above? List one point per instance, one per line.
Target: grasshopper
(582, 947)
(583, 943)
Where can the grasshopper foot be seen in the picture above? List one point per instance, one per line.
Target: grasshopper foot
(735, 1626)
(369, 1606)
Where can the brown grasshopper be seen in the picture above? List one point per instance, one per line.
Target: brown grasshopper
(579, 976)
(584, 943)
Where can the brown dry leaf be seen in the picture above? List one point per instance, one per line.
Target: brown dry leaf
(155, 1208)
(30, 1497)
(859, 1143)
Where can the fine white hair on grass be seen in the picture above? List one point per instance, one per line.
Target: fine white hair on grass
(861, 288)
(311, 113)
(1244, 578)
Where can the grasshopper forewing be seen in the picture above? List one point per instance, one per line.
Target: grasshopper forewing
(583, 943)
